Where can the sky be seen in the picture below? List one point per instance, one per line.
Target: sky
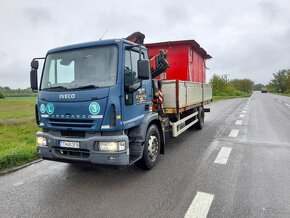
(247, 39)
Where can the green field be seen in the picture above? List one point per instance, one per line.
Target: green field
(17, 131)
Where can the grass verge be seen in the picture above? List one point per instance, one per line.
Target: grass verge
(217, 98)
(283, 94)
(17, 131)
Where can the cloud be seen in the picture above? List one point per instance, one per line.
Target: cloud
(37, 15)
(2, 55)
(270, 9)
(247, 39)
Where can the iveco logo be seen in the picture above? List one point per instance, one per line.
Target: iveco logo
(67, 96)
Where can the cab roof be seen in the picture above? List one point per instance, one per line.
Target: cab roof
(91, 44)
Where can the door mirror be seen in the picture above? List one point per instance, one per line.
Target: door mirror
(33, 80)
(34, 64)
(143, 69)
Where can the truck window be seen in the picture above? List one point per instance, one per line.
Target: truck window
(131, 72)
(74, 69)
(65, 74)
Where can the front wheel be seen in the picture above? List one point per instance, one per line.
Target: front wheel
(151, 148)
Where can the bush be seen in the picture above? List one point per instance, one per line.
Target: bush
(222, 87)
(281, 82)
(244, 85)
(1, 95)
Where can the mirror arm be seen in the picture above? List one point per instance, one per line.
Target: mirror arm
(134, 87)
(140, 51)
(38, 58)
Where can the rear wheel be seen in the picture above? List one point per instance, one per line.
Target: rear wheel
(199, 125)
(151, 148)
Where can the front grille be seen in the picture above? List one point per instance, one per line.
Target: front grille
(72, 134)
(70, 152)
(71, 123)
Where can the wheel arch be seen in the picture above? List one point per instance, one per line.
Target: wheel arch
(138, 134)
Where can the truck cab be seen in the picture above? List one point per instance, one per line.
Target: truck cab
(95, 105)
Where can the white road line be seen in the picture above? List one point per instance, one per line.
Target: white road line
(239, 122)
(288, 105)
(223, 155)
(243, 112)
(234, 133)
(200, 205)
(242, 115)
(18, 183)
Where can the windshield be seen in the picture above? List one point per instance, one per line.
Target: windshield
(83, 68)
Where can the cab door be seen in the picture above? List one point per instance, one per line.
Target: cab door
(135, 103)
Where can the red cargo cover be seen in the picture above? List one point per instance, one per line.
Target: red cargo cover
(186, 60)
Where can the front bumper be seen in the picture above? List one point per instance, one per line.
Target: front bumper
(87, 151)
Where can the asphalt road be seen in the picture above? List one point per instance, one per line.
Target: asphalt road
(237, 166)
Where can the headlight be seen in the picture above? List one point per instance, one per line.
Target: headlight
(41, 141)
(112, 146)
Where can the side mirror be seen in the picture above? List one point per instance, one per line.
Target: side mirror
(33, 80)
(143, 69)
(34, 64)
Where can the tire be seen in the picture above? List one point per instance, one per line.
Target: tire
(199, 125)
(151, 149)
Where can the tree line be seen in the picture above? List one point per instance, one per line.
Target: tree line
(8, 92)
(240, 87)
(280, 83)
(222, 86)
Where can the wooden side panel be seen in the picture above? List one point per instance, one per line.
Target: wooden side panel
(207, 92)
(182, 94)
(190, 95)
(193, 93)
(169, 93)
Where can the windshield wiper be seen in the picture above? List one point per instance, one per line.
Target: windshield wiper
(62, 88)
(86, 87)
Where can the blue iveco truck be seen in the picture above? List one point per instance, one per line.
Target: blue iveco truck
(99, 103)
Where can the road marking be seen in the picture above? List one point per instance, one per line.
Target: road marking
(18, 183)
(234, 133)
(223, 155)
(288, 105)
(200, 205)
(243, 112)
(239, 122)
(242, 115)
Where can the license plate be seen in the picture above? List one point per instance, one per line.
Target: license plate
(66, 144)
